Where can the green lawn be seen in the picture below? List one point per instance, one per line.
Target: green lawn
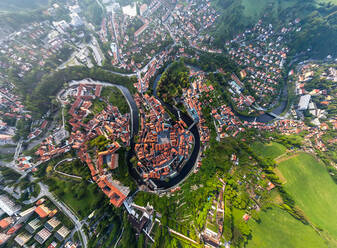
(309, 183)
(271, 150)
(278, 229)
(82, 197)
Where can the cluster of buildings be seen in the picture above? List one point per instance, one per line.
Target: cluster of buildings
(236, 87)
(212, 233)
(146, 42)
(314, 97)
(39, 42)
(109, 124)
(226, 123)
(163, 146)
(193, 105)
(262, 52)
(143, 219)
(32, 46)
(135, 38)
(11, 109)
(40, 223)
(189, 21)
(150, 70)
(37, 128)
(315, 88)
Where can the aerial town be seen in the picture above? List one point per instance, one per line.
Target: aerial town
(262, 51)
(97, 168)
(162, 147)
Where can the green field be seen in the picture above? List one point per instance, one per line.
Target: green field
(278, 229)
(309, 183)
(271, 150)
(255, 8)
(82, 197)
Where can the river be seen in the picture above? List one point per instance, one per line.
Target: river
(266, 117)
(184, 171)
(187, 168)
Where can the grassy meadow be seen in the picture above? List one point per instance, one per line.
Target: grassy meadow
(277, 229)
(309, 183)
(271, 150)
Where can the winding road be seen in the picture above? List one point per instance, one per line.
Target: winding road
(65, 209)
(65, 174)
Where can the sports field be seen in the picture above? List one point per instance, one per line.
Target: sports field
(313, 190)
(271, 150)
(278, 229)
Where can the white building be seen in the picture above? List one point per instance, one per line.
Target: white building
(8, 206)
(130, 10)
(24, 215)
(75, 20)
(61, 26)
(304, 102)
(75, 9)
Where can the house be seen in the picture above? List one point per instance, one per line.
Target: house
(24, 215)
(70, 244)
(116, 192)
(4, 223)
(3, 238)
(52, 224)
(14, 228)
(304, 102)
(52, 245)
(22, 238)
(62, 233)
(33, 226)
(42, 211)
(246, 217)
(270, 186)
(42, 236)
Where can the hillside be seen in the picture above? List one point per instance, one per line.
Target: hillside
(319, 17)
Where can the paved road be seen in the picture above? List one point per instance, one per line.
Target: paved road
(119, 238)
(18, 149)
(12, 166)
(100, 4)
(65, 174)
(183, 236)
(65, 209)
(122, 74)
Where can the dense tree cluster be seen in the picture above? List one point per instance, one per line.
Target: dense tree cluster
(39, 89)
(172, 81)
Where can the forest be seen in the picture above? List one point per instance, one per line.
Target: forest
(41, 95)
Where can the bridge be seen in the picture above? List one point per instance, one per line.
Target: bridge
(268, 113)
(194, 123)
(275, 115)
